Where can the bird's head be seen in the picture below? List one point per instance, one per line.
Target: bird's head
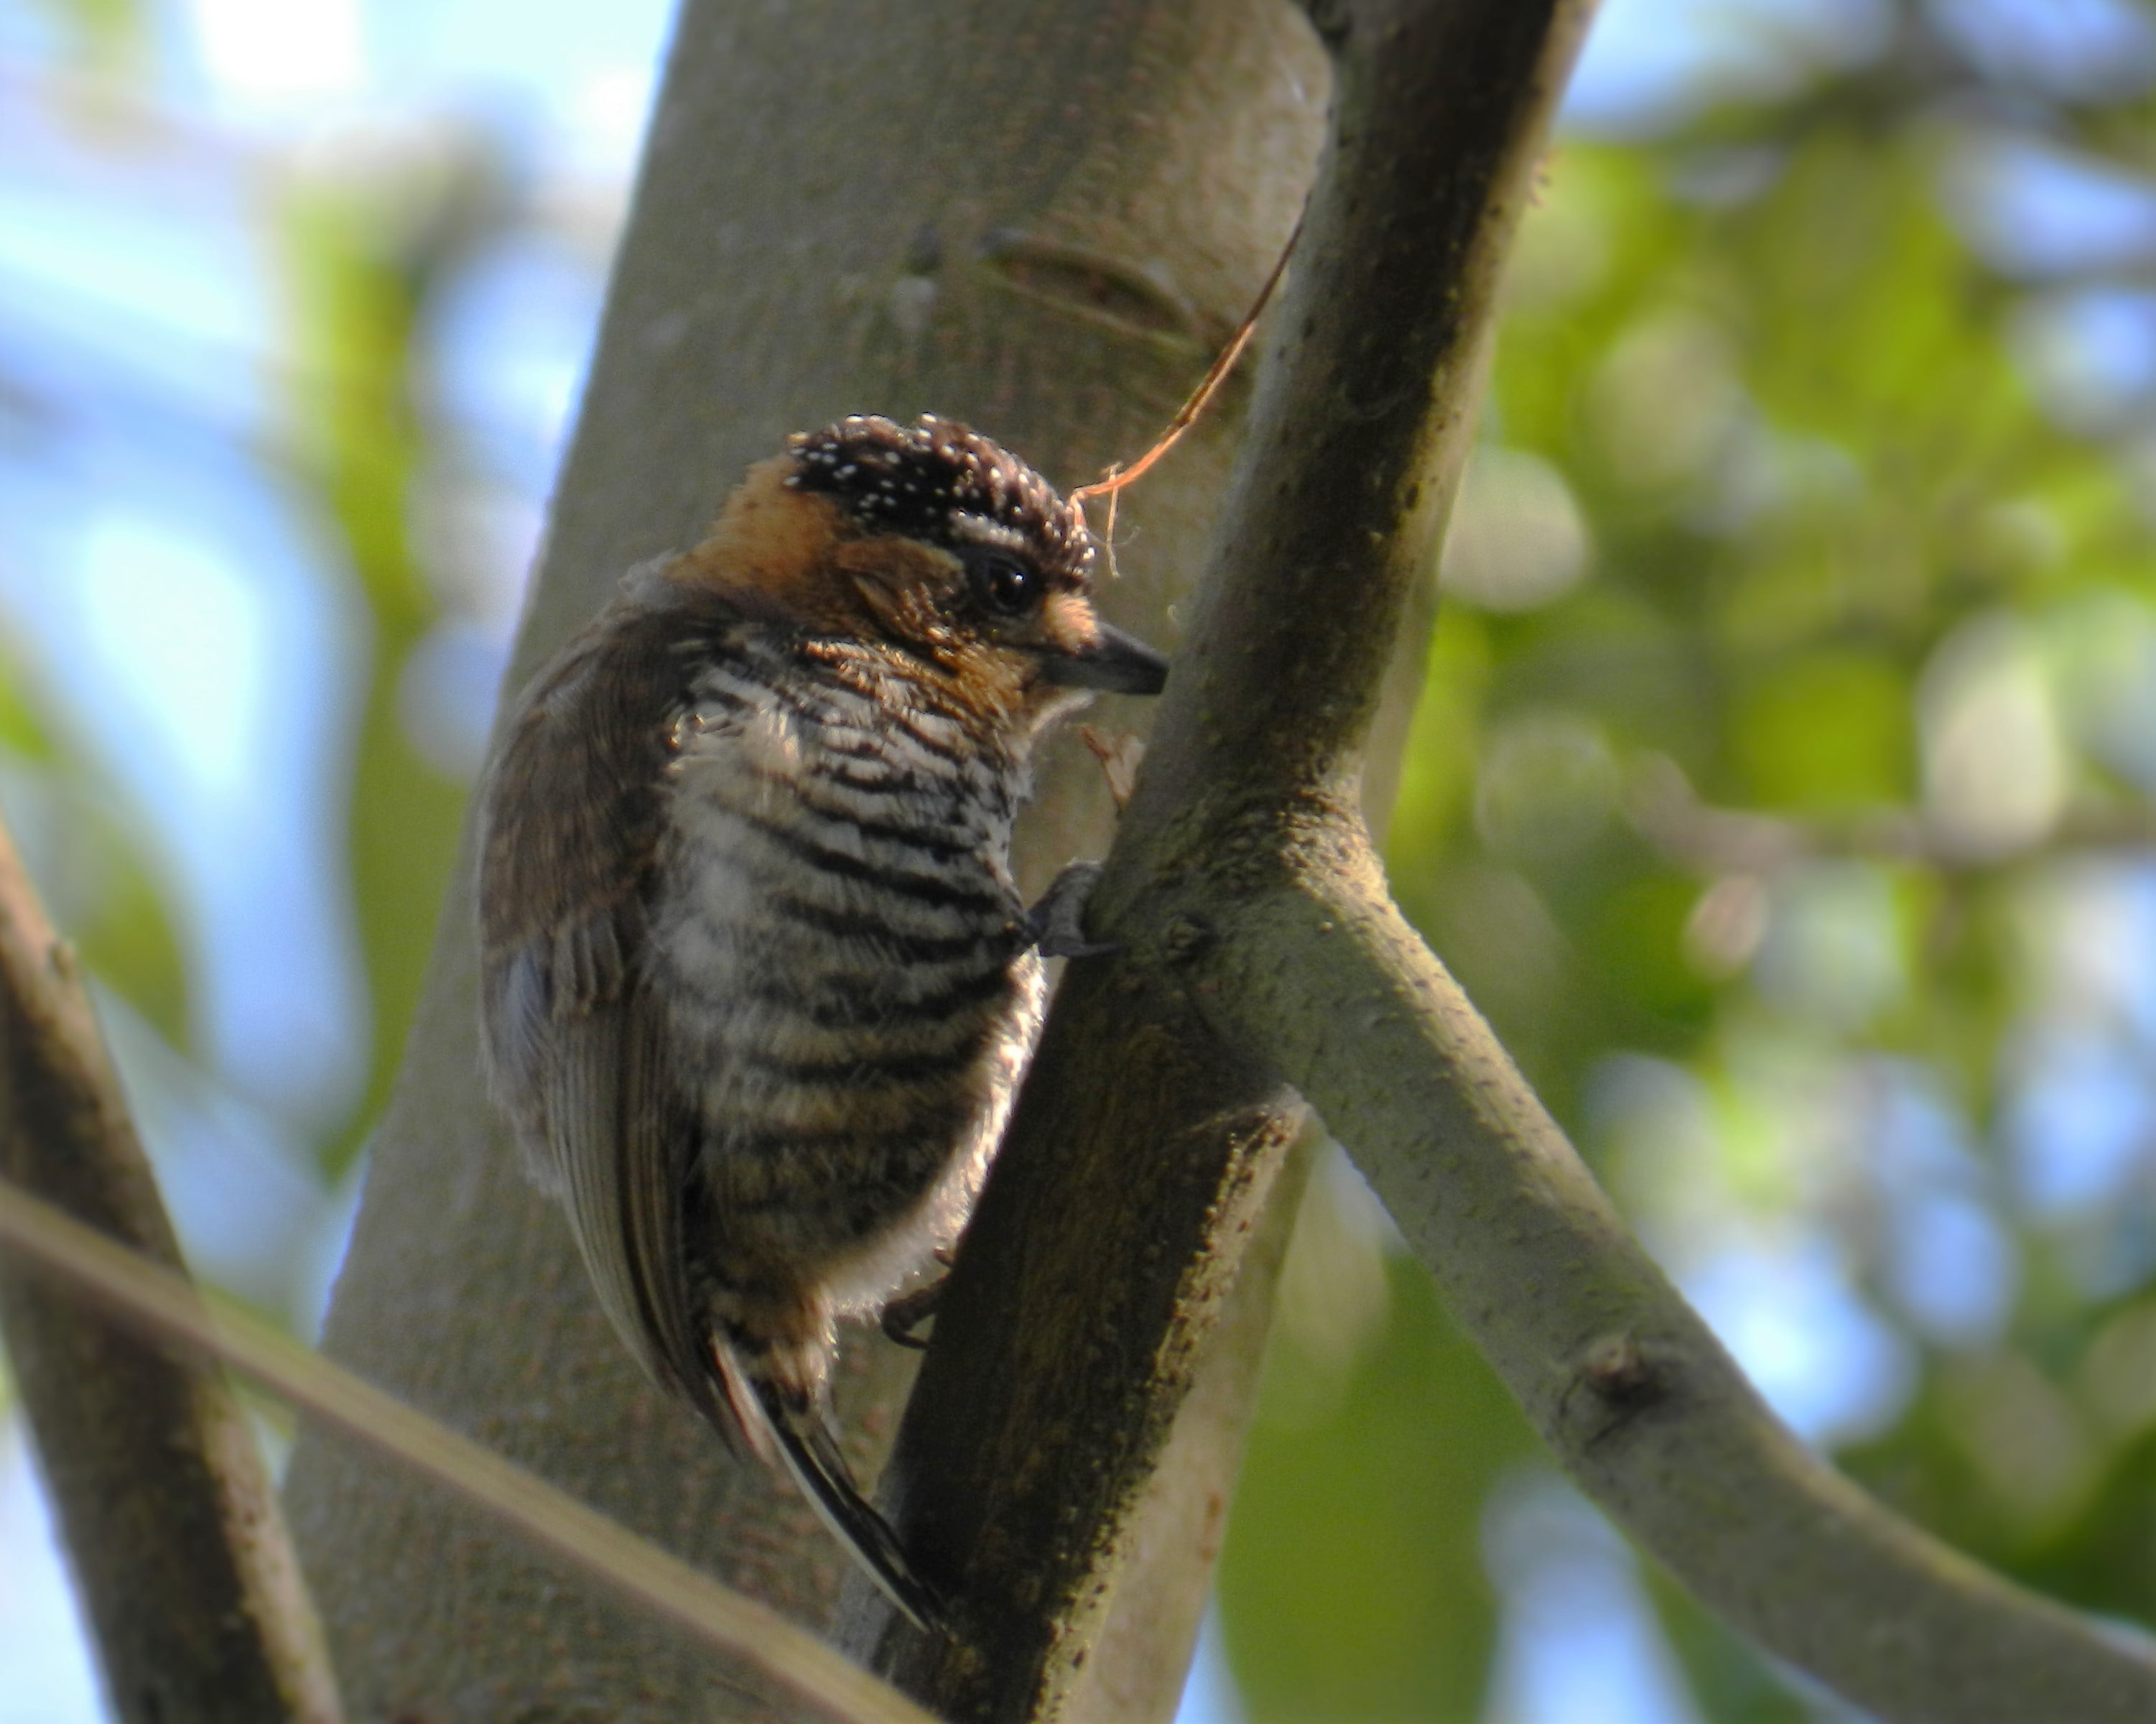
(935, 541)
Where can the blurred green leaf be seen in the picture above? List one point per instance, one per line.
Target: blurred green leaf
(129, 943)
(1828, 731)
(1638, 943)
(23, 732)
(362, 246)
(107, 35)
(1352, 1583)
(104, 886)
(1438, 767)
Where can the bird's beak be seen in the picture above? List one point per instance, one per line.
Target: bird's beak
(1115, 662)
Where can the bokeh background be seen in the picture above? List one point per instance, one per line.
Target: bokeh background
(1782, 788)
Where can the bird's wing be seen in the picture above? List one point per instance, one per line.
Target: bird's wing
(624, 1138)
(576, 1043)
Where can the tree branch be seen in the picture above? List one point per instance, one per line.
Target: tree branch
(1144, 1144)
(1259, 946)
(1664, 809)
(179, 1557)
(1639, 1402)
(154, 1299)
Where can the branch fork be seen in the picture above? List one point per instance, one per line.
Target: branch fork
(1260, 949)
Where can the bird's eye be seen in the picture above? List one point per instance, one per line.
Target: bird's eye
(1005, 585)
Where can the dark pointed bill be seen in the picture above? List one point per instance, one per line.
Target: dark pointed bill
(1116, 663)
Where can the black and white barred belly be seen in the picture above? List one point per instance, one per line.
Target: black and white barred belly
(851, 1002)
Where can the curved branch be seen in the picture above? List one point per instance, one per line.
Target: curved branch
(181, 1559)
(1637, 1399)
(1276, 914)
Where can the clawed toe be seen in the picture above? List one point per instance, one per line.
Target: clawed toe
(902, 1318)
(1057, 924)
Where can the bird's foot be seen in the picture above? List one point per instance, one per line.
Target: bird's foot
(1057, 924)
(902, 1318)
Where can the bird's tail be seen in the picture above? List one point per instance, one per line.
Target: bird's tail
(773, 1419)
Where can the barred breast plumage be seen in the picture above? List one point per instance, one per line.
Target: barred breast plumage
(842, 948)
(757, 985)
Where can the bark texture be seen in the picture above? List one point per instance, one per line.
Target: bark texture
(1144, 1143)
(179, 1556)
(1259, 945)
(1038, 218)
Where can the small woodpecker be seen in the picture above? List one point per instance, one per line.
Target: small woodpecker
(758, 987)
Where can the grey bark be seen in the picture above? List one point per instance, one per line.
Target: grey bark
(1039, 219)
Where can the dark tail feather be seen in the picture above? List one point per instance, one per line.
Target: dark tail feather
(821, 1472)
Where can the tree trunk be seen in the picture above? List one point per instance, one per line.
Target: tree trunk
(1041, 220)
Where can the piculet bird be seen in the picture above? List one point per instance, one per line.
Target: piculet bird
(757, 986)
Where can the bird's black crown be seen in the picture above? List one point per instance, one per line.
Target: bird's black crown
(938, 481)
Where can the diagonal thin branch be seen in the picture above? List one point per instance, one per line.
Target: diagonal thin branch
(181, 1559)
(649, 1578)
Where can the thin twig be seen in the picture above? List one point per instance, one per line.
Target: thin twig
(1120, 478)
(1663, 808)
(648, 1576)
